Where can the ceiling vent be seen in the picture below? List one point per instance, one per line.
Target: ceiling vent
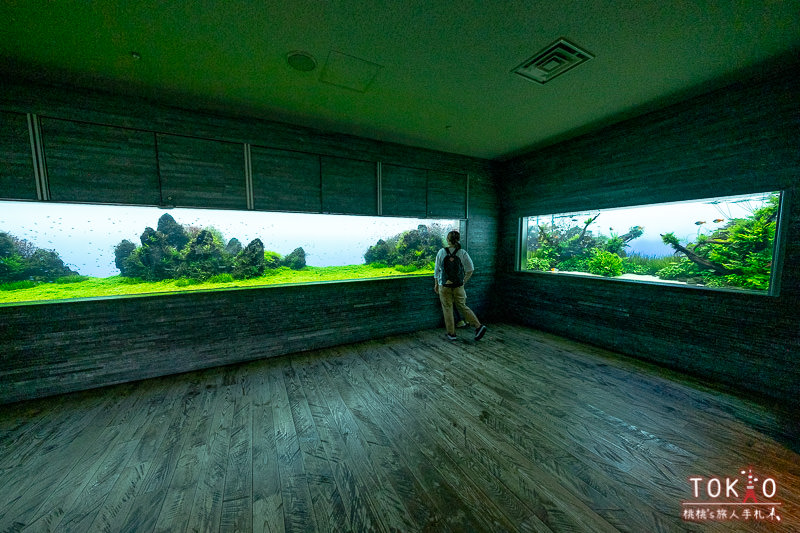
(349, 72)
(552, 62)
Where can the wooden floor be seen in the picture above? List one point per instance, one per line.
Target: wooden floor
(521, 431)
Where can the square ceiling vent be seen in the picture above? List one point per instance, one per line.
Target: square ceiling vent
(552, 62)
(349, 72)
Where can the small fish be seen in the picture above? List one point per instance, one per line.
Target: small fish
(718, 220)
(699, 222)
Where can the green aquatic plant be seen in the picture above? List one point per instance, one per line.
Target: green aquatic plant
(21, 260)
(26, 291)
(605, 263)
(631, 267)
(272, 259)
(185, 282)
(17, 285)
(71, 279)
(645, 265)
(739, 254)
(538, 263)
(221, 278)
(576, 264)
(175, 251)
(682, 269)
(569, 247)
(417, 247)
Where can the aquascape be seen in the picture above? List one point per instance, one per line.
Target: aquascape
(718, 243)
(91, 251)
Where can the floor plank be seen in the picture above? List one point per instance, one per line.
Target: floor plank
(206, 510)
(332, 419)
(267, 500)
(523, 431)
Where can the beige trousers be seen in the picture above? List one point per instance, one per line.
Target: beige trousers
(457, 296)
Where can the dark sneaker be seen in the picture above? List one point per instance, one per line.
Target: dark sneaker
(451, 337)
(479, 332)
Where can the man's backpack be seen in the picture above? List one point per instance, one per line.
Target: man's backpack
(453, 269)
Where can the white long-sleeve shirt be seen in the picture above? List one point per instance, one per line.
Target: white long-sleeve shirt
(438, 271)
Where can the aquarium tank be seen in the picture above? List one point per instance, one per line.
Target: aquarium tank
(724, 243)
(53, 251)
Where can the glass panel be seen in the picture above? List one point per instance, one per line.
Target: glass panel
(720, 243)
(51, 251)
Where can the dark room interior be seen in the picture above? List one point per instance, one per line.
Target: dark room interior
(615, 389)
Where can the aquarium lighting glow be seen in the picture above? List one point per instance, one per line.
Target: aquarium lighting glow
(47, 243)
(726, 243)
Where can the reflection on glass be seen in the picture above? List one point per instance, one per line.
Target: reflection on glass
(56, 251)
(722, 242)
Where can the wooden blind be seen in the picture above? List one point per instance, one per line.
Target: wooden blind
(403, 191)
(104, 164)
(349, 186)
(17, 181)
(201, 172)
(286, 181)
(447, 194)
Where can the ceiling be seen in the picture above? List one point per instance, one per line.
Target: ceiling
(442, 69)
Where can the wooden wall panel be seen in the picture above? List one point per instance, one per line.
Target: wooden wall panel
(480, 241)
(403, 191)
(129, 112)
(60, 347)
(286, 181)
(201, 172)
(17, 179)
(91, 163)
(52, 348)
(349, 186)
(740, 139)
(447, 193)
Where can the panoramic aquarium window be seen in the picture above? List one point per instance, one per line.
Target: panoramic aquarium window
(51, 251)
(718, 243)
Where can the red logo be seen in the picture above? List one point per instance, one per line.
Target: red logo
(750, 494)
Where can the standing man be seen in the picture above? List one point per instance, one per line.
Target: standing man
(453, 269)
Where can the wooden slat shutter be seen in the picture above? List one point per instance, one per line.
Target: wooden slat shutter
(349, 186)
(17, 180)
(102, 164)
(201, 172)
(403, 191)
(286, 181)
(447, 194)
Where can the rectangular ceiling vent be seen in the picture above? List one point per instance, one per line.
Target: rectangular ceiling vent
(552, 62)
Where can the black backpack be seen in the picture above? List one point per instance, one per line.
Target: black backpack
(453, 269)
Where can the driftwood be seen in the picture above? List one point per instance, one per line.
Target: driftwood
(634, 233)
(701, 261)
(586, 226)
